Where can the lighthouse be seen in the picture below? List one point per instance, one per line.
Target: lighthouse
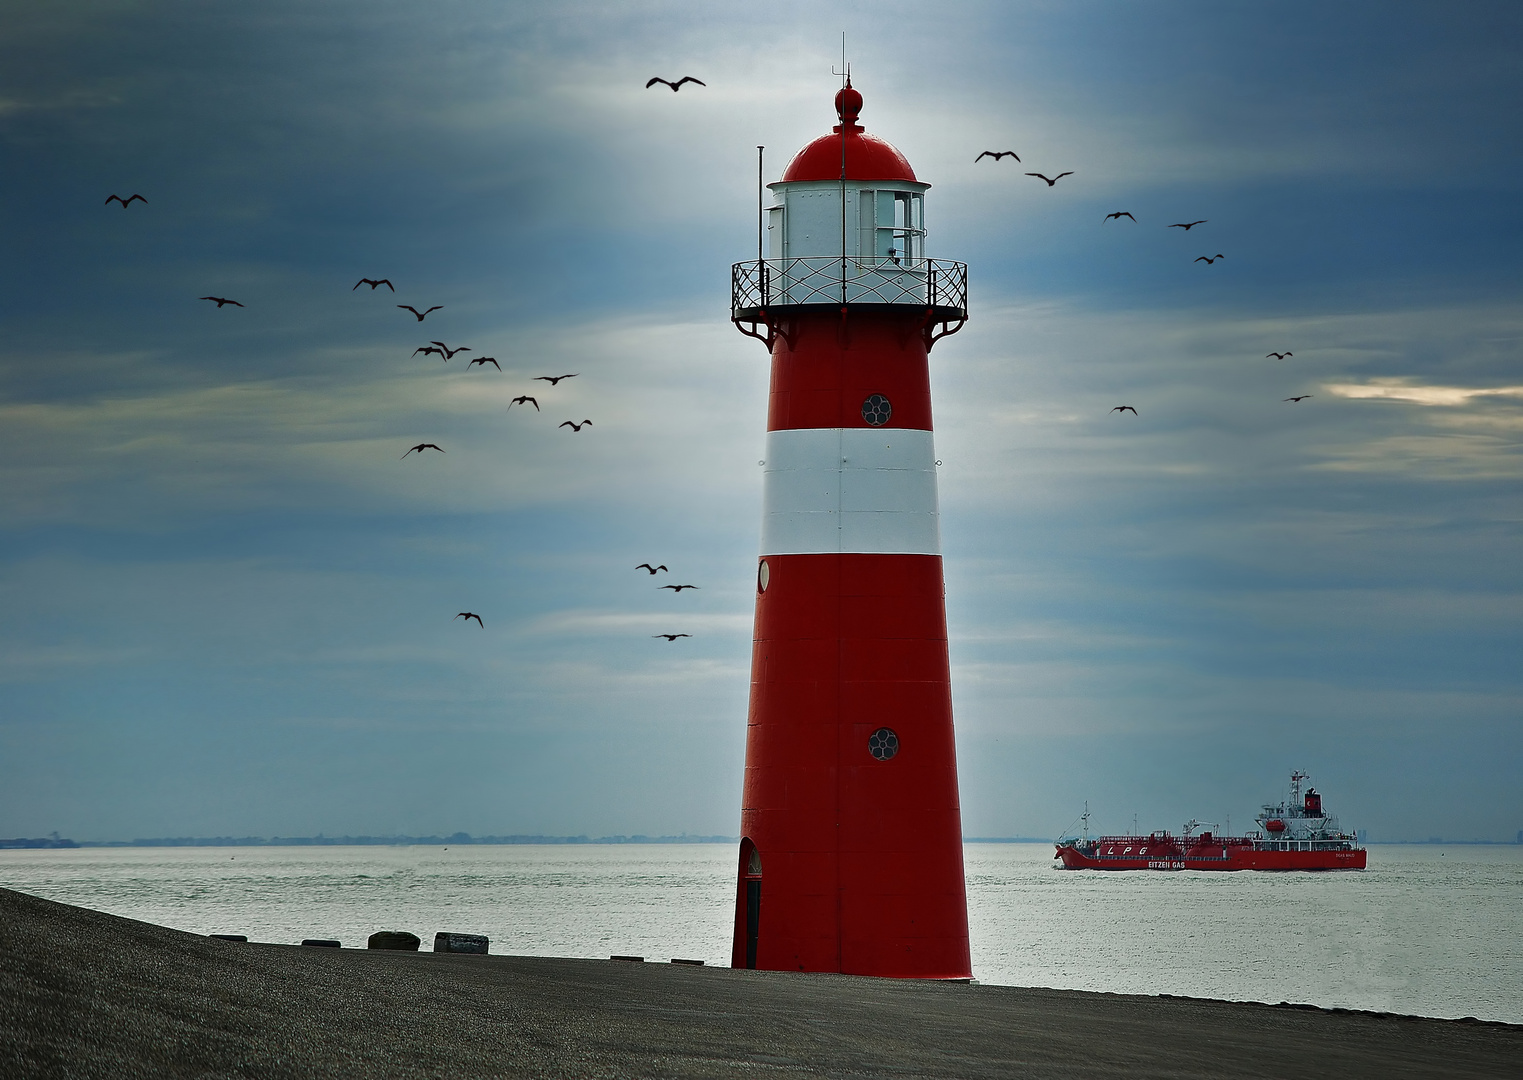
(851, 832)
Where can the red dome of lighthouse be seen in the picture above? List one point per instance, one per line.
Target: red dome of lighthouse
(867, 157)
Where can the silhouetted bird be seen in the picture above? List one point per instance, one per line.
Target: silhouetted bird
(1278, 355)
(1125, 408)
(1188, 227)
(996, 155)
(485, 360)
(1208, 260)
(422, 446)
(409, 307)
(126, 201)
(1299, 397)
(373, 282)
(652, 569)
(554, 380)
(427, 349)
(671, 637)
(675, 85)
(678, 588)
(1054, 180)
(468, 616)
(1120, 213)
(521, 399)
(220, 301)
(449, 353)
(574, 426)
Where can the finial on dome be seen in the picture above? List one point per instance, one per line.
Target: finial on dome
(849, 106)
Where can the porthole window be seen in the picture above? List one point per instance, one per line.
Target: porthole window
(876, 410)
(883, 744)
(763, 574)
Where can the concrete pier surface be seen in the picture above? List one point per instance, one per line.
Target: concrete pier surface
(84, 994)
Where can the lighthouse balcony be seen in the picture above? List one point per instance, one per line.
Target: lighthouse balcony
(774, 287)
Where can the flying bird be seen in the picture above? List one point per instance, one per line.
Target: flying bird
(373, 282)
(1120, 213)
(129, 199)
(422, 446)
(1054, 180)
(1208, 260)
(671, 637)
(485, 360)
(1125, 408)
(574, 426)
(996, 155)
(679, 588)
(1278, 355)
(652, 569)
(427, 349)
(449, 353)
(1299, 397)
(409, 307)
(468, 616)
(675, 85)
(1188, 227)
(554, 380)
(220, 301)
(521, 398)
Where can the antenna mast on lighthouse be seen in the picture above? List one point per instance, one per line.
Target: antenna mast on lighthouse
(851, 850)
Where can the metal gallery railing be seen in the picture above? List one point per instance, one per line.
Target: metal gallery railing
(828, 279)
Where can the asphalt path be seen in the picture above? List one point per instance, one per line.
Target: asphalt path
(84, 994)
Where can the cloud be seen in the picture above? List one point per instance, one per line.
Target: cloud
(1405, 390)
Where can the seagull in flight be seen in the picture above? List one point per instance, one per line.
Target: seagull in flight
(468, 616)
(373, 282)
(996, 155)
(1278, 355)
(671, 637)
(485, 360)
(521, 399)
(679, 588)
(574, 426)
(220, 301)
(1208, 260)
(1120, 214)
(652, 569)
(554, 380)
(1054, 180)
(422, 446)
(1189, 226)
(675, 85)
(449, 353)
(125, 202)
(1298, 397)
(409, 307)
(1125, 408)
(427, 349)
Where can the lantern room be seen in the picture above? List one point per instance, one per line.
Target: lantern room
(847, 227)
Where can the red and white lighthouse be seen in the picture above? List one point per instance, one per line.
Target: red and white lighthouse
(851, 849)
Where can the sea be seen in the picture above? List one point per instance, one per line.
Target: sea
(1429, 930)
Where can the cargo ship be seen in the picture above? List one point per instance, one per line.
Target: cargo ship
(1295, 834)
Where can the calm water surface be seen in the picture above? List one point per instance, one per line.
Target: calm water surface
(1429, 930)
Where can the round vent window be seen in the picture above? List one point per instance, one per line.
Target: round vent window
(876, 410)
(883, 744)
(763, 575)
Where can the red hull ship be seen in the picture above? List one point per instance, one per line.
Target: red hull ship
(1294, 835)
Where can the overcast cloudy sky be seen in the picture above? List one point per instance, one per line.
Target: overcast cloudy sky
(225, 600)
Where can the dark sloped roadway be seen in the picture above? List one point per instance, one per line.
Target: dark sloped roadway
(83, 994)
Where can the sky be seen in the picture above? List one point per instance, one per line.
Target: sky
(227, 600)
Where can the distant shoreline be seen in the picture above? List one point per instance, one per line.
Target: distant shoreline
(465, 840)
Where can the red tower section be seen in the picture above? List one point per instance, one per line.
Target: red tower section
(851, 850)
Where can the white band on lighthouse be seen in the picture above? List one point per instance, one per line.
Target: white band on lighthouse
(868, 491)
